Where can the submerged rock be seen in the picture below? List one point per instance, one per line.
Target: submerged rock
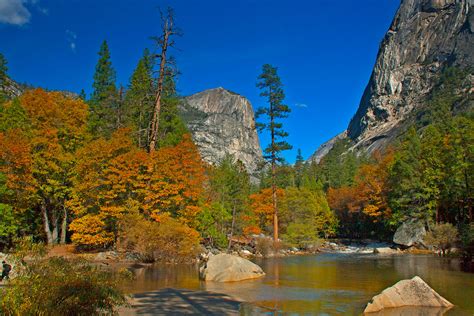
(407, 293)
(385, 250)
(410, 233)
(229, 268)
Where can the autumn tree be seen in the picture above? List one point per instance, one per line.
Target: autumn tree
(272, 89)
(114, 177)
(103, 101)
(372, 187)
(262, 216)
(58, 129)
(164, 42)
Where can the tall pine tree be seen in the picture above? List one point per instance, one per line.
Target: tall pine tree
(104, 100)
(299, 166)
(3, 76)
(272, 89)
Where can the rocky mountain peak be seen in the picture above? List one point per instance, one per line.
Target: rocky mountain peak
(222, 122)
(425, 36)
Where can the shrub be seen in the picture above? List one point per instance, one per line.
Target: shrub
(56, 286)
(442, 237)
(264, 245)
(167, 240)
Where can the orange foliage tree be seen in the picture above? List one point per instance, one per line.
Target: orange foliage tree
(16, 165)
(372, 186)
(115, 177)
(262, 210)
(44, 149)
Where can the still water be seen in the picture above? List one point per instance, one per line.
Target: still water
(323, 284)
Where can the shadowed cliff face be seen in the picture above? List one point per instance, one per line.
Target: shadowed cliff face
(425, 36)
(222, 122)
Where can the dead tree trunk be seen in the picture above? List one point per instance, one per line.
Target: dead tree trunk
(164, 42)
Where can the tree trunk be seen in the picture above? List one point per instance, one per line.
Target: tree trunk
(231, 229)
(274, 193)
(47, 228)
(55, 230)
(64, 226)
(167, 32)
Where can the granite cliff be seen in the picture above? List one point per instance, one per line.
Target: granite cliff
(222, 122)
(424, 37)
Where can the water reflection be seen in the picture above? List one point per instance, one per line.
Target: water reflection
(326, 284)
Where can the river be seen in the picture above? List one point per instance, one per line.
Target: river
(323, 284)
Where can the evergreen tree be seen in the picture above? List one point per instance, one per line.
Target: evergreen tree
(299, 166)
(139, 99)
(171, 127)
(3, 76)
(414, 181)
(272, 89)
(229, 189)
(103, 102)
(82, 95)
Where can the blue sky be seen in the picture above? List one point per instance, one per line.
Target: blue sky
(324, 49)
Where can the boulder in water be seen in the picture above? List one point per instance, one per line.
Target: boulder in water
(385, 251)
(410, 233)
(407, 293)
(230, 268)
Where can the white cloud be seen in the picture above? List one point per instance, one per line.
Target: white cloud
(71, 37)
(14, 12)
(301, 105)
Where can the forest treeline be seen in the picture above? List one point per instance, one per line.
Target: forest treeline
(79, 169)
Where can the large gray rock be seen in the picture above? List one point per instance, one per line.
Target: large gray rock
(410, 233)
(407, 293)
(229, 268)
(222, 122)
(425, 36)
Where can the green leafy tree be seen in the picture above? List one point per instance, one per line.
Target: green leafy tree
(103, 102)
(8, 222)
(303, 206)
(272, 89)
(229, 189)
(13, 116)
